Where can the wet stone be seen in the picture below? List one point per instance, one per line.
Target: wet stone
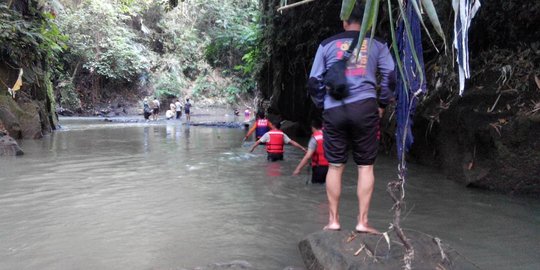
(349, 250)
(236, 265)
(9, 147)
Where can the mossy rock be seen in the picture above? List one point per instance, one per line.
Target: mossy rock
(21, 121)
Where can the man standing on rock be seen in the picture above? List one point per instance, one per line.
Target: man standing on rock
(352, 122)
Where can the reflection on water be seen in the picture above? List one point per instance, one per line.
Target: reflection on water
(102, 195)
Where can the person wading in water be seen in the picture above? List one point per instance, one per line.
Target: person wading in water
(261, 126)
(315, 152)
(275, 141)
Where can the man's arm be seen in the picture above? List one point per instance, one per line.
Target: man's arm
(315, 82)
(386, 66)
(297, 145)
(251, 130)
(304, 161)
(254, 146)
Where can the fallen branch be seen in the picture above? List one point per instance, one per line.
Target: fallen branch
(359, 250)
(294, 5)
(439, 244)
(352, 237)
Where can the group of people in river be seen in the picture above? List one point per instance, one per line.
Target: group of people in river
(350, 118)
(270, 135)
(151, 110)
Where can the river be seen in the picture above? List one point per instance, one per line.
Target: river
(99, 195)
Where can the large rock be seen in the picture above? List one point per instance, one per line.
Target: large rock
(23, 120)
(30, 121)
(234, 265)
(336, 251)
(8, 146)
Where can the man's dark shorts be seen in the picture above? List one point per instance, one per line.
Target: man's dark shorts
(351, 126)
(319, 174)
(274, 157)
(155, 110)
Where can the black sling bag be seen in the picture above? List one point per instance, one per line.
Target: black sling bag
(334, 78)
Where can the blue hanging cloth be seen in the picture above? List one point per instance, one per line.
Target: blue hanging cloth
(414, 83)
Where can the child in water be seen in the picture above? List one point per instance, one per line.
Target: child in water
(275, 141)
(315, 152)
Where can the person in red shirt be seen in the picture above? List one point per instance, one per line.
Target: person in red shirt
(275, 141)
(315, 152)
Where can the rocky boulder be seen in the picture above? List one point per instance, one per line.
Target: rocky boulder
(25, 119)
(8, 146)
(235, 265)
(348, 250)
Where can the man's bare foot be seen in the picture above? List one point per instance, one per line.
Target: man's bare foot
(332, 227)
(366, 229)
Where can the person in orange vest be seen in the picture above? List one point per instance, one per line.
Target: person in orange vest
(319, 164)
(275, 141)
(261, 126)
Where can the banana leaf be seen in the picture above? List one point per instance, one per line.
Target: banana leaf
(417, 10)
(432, 14)
(347, 7)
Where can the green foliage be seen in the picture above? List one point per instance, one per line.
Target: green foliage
(204, 88)
(69, 98)
(171, 47)
(30, 41)
(98, 36)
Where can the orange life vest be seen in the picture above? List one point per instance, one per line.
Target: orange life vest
(275, 144)
(318, 158)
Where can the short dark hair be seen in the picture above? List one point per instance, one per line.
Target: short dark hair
(260, 114)
(276, 124)
(316, 123)
(357, 13)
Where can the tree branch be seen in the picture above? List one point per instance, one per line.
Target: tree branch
(294, 5)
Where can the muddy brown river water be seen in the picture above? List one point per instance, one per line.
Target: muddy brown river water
(98, 195)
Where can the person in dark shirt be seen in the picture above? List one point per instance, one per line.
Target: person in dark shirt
(352, 123)
(187, 110)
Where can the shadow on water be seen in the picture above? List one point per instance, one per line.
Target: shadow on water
(165, 196)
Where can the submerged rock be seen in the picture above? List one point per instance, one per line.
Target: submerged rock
(8, 146)
(346, 250)
(234, 265)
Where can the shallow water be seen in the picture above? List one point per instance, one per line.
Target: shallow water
(98, 195)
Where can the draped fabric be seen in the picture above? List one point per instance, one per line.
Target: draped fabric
(464, 12)
(413, 83)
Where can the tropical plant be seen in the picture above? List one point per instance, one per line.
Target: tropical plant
(99, 38)
(28, 43)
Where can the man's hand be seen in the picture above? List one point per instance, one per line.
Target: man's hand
(296, 172)
(381, 112)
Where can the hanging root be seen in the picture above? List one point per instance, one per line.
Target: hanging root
(396, 191)
(439, 244)
(408, 259)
